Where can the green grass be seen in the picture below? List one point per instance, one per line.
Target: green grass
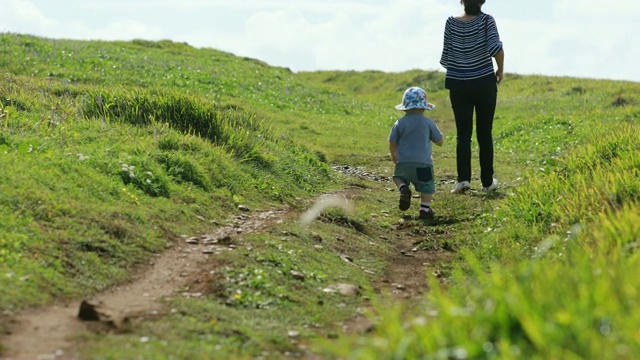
(111, 150)
(92, 187)
(548, 270)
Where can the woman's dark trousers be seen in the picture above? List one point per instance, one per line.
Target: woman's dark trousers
(464, 102)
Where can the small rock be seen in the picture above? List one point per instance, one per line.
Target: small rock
(225, 240)
(344, 289)
(193, 241)
(244, 208)
(297, 275)
(95, 310)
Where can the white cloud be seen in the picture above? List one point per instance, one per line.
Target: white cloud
(393, 36)
(560, 37)
(23, 17)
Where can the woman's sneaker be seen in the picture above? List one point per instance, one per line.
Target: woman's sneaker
(405, 198)
(493, 186)
(461, 187)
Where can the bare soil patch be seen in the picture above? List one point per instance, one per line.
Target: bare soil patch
(49, 332)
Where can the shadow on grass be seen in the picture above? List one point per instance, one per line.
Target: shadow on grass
(435, 221)
(489, 195)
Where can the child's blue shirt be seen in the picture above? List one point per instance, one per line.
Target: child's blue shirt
(414, 134)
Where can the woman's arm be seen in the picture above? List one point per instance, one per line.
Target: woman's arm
(500, 62)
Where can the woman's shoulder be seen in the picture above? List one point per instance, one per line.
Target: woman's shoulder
(487, 16)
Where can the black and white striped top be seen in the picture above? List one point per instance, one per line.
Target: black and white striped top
(469, 47)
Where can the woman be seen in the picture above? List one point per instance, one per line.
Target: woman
(471, 41)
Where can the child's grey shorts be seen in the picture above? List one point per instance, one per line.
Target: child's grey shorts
(419, 174)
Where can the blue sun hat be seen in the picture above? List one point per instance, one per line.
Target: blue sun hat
(415, 98)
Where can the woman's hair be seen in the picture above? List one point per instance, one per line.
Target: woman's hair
(472, 7)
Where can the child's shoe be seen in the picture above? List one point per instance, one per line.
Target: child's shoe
(405, 198)
(492, 187)
(426, 214)
(461, 187)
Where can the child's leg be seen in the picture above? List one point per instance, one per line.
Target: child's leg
(426, 212)
(405, 193)
(399, 182)
(426, 198)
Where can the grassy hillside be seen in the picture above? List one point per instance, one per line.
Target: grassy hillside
(110, 151)
(98, 173)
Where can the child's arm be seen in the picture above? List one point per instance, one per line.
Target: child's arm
(436, 135)
(392, 149)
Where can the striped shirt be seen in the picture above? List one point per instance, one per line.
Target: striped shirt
(469, 47)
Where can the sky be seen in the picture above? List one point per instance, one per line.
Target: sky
(587, 39)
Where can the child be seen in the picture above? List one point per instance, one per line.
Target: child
(410, 146)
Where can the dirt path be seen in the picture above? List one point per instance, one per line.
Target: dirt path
(48, 332)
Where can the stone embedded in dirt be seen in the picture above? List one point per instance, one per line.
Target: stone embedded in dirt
(345, 169)
(209, 250)
(96, 310)
(297, 275)
(343, 289)
(225, 240)
(189, 295)
(346, 258)
(243, 208)
(208, 240)
(193, 241)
